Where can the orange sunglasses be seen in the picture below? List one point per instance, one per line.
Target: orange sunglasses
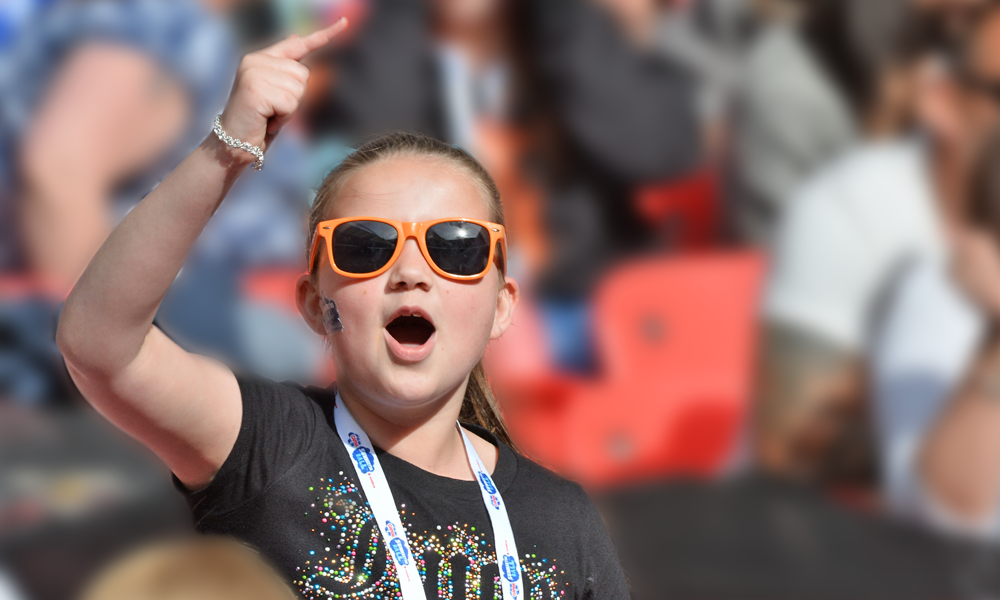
(459, 249)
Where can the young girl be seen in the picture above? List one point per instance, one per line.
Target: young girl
(407, 283)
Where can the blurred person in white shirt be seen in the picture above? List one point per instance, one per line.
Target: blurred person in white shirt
(846, 236)
(818, 78)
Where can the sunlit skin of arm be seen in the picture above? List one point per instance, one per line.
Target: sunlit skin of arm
(185, 407)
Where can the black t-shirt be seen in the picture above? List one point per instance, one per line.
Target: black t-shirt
(289, 489)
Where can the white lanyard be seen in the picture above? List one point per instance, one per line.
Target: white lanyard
(372, 478)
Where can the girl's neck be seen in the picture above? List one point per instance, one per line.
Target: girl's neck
(432, 443)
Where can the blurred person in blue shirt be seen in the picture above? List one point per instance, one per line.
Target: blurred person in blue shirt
(97, 101)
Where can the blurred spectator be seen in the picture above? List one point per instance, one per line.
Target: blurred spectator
(612, 114)
(848, 233)
(620, 115)
(936, 375)
(203, 568)
(707, 37)
(818, 77)
(436, 67)
(99, 100)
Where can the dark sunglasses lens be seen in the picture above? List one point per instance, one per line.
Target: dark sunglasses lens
(363, 246)
(459, 248)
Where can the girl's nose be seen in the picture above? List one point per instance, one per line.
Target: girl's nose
(410, 271)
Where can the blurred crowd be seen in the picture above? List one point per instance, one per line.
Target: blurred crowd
(850, 149)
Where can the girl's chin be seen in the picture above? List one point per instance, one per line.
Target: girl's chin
(409, 387)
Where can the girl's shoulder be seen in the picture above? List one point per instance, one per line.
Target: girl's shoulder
(522, 480)
(282, 426)
(287, 397)
(284, 415)
(546, 484)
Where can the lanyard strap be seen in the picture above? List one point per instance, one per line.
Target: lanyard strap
(503, 535)
(379, 497)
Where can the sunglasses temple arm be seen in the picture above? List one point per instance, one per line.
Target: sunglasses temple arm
(314, 252)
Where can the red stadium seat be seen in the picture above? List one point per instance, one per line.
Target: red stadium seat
(689, 315)
(675, 340)
(687, 213)
(630, 431)
(18, 287)
(532, 394)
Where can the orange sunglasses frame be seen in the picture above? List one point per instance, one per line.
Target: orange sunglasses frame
(405, 231)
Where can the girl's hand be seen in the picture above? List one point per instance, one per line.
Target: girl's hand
(269, 86)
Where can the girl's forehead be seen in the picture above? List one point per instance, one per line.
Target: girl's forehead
(410, 188)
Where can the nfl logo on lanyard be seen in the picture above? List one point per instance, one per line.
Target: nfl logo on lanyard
(509, 568)
(399, 548)
(487, 483)
(364, 458)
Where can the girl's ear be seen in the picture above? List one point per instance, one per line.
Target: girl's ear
(507, 299)
(308, 299)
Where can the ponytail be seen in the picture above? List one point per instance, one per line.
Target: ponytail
(480, 406)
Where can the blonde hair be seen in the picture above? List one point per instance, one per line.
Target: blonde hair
(195, 568)
(479, 405)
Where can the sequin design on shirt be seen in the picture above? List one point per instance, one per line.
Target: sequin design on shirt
(348, 561)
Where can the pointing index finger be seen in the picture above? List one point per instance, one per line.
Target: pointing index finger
(296, 47)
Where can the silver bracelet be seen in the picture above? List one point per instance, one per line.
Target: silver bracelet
(236, 143)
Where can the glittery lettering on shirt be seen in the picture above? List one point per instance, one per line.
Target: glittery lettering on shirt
(348, 560)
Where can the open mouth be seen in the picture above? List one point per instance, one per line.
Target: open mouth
(410, 330)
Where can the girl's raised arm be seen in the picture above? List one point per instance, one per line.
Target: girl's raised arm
(186, 408)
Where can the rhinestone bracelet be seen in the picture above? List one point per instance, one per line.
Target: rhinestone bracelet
(237, 143)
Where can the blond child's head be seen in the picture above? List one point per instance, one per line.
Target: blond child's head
(195, 568)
